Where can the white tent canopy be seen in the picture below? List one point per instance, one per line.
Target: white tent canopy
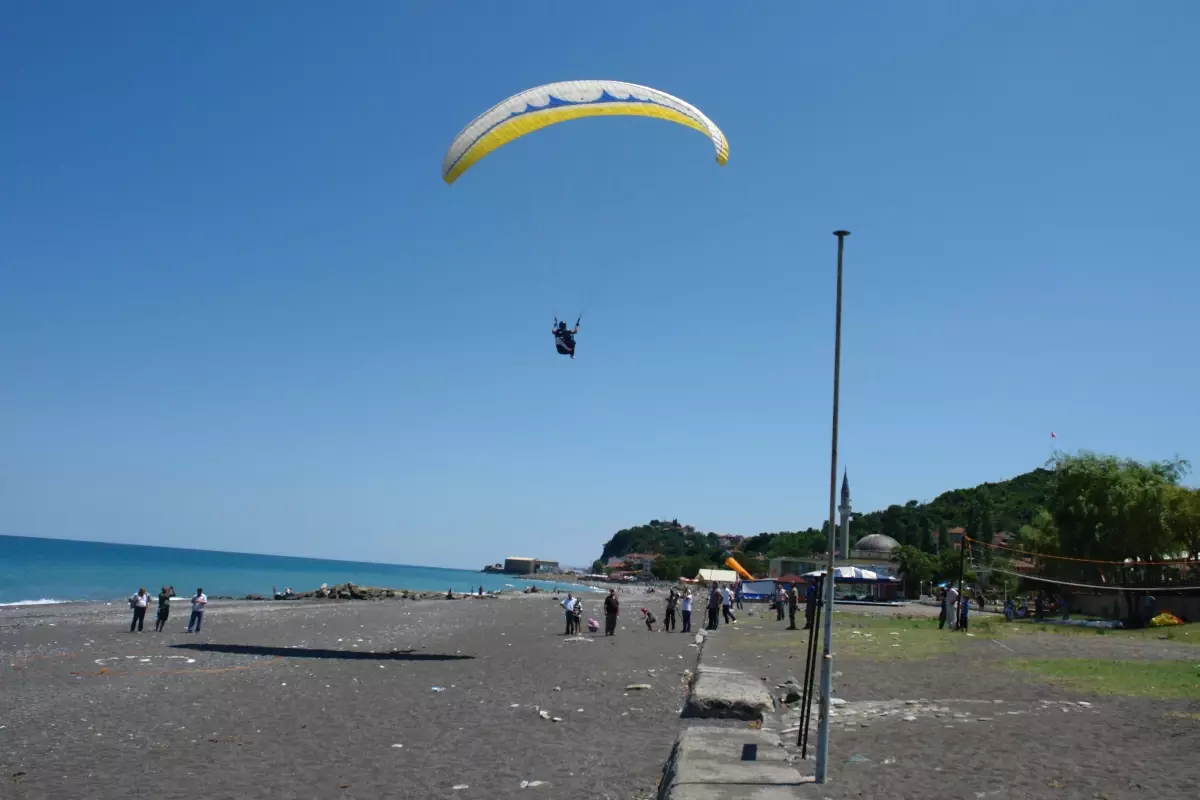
(850, 574)
(718, 575)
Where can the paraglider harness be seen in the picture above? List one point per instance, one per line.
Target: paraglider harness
(564, 340)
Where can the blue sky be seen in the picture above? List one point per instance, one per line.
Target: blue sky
(240, 310)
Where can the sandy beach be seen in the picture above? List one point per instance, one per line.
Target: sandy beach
(336, 699)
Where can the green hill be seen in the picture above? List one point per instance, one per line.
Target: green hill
(982, 510)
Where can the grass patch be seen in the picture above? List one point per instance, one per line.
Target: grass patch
(1182, 634)
(865, 637)
(1162, 679)
(1183, 715)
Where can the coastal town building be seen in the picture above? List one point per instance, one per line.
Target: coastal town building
(633, 562)
(730, 541)
(519, 565)
(546, 566)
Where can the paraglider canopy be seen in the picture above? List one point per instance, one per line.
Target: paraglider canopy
(545, 105)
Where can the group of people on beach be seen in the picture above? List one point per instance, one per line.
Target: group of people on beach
(719, 604)
(956, 609)
(140, 601)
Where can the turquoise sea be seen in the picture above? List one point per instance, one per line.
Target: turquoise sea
(59, 570)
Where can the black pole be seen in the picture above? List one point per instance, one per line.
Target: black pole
(805, 692)
(810, 673)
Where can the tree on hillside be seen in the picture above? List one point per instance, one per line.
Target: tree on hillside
(1184, 518)
(943, 537)
(926, 537)
(917, 568)
(597, 567)
(1111, 509)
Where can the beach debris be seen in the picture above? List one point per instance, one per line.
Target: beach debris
(577, 711)
(397, 745)
(556, 719)
(458, 787)
(635, 687)
(533, 784)
(437, 688)
(544, 714)
(515, 705)
(558, 688)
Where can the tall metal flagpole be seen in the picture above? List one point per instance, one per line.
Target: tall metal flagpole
(827, 657)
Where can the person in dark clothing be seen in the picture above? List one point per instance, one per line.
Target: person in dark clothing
(714, 607)
(649, 617)
(564, 338)
(669, 617)
(612, 607)
(164, 609)
(810, 604)
(793, 601)
(138, 603)
(569, 612)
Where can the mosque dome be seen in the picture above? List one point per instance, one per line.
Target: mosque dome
(877, 543)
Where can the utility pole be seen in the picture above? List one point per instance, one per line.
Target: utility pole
(827, 656)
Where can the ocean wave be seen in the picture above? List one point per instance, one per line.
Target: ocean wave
(45, 601)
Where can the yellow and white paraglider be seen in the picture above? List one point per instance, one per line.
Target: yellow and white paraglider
(545, 105)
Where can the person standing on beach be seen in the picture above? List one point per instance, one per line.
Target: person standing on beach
(727, 606)
(793, 600)
(810, 604)
(138, 603)
(669, 617)
(164, 610)
(198, 604)
(612, 606)
(569, 607)
(686, 610)
(737, 594)
(780, 599)
(714, 606)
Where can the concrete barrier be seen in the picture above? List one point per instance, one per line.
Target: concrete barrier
(718, 763)
(721, 693)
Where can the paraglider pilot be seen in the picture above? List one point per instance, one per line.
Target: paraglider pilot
(564, 338)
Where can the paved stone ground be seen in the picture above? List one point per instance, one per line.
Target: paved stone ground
(962, 724)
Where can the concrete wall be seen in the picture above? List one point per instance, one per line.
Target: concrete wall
(1111, 605)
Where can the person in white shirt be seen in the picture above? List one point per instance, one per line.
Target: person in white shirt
(685, 608)
(569, 607)
(138, 603)
(198, 604)
(952, 607)
(727, 605)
